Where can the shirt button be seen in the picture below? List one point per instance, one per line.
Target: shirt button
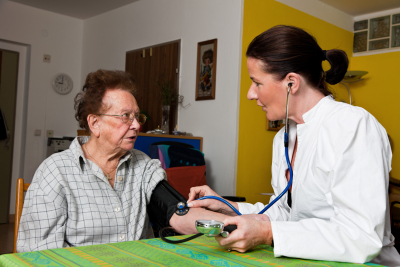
(119, 178)
(117, 209)
(121, 237)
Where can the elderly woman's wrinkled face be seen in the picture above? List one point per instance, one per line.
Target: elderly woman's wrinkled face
(116, 134)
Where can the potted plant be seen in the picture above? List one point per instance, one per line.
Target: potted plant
(168, 96)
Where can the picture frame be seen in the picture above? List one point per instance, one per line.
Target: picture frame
(206, 71)
(275, 125)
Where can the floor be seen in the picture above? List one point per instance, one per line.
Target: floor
(6, 238)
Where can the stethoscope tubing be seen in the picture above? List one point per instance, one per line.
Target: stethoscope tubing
(273, 201)
(286, 144)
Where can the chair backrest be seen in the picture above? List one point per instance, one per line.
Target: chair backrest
(19, 203)
(182, 156)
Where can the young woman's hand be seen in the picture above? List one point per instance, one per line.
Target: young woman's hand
(258, 217)
(252, 230)
(210, 204)
(201, 191)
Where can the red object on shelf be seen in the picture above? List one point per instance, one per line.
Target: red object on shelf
(184, 178)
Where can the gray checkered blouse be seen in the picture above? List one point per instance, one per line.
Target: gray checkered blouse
(71, 203)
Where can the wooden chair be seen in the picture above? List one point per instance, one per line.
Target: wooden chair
(19, 203)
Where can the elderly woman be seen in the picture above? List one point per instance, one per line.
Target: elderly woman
(98, 190)
(336, 209)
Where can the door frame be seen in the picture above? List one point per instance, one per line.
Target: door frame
(18, 159)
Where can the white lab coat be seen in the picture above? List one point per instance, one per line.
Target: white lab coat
(339, 194)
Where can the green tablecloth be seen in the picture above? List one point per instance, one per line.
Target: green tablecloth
(202, 251)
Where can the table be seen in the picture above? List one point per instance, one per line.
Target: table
(202, 251)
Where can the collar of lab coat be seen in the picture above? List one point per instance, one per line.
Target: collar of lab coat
(297, 129)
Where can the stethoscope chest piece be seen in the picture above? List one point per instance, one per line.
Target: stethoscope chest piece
(181, 209)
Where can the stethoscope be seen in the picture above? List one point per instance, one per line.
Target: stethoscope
(203, 226)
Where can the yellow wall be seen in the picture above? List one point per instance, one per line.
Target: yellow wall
(255, 142)
(379, 93)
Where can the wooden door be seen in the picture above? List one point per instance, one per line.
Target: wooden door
(148, 66)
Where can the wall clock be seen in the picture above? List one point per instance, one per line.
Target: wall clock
(62, 84)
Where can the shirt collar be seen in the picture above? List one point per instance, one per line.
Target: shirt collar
(309, 115)
(295, 130)
(79, 157)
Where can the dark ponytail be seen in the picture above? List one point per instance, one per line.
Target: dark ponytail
(339, 63)
(284, 49)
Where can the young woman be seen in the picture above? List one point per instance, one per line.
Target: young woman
(337, 207)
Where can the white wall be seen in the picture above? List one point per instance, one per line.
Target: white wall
(109, 36)
(44, 33)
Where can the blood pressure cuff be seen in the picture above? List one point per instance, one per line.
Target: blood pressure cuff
(163, 204)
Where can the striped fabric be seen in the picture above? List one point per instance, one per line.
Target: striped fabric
(202, 251)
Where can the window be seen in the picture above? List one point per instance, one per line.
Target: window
(379, 33)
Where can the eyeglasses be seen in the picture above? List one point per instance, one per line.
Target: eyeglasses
(128, 118)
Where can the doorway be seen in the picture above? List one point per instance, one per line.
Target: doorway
(8, 96)
(150, 66)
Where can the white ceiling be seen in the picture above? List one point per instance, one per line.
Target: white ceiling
(81, 9)
(361, 7)
(84, 9)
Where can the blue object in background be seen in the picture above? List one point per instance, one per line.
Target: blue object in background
(144, 141)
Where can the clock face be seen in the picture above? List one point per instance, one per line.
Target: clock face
(63, 84)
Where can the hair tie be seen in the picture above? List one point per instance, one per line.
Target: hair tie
(323, 55)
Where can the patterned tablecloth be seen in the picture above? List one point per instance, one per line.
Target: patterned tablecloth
(202, 251)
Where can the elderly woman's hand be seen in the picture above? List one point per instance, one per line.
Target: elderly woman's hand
(252, 230)
(211, 204)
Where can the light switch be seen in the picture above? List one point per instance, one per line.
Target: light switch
(38, 132)
(46, 58)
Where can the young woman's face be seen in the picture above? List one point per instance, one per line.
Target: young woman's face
(269, 93)
(207, 61)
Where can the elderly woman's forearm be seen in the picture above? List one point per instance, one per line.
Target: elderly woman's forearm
(186, 224)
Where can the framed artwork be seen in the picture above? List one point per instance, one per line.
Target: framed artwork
(275, 125)
(206, 70)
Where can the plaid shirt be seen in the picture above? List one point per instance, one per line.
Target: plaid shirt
(71, 203)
